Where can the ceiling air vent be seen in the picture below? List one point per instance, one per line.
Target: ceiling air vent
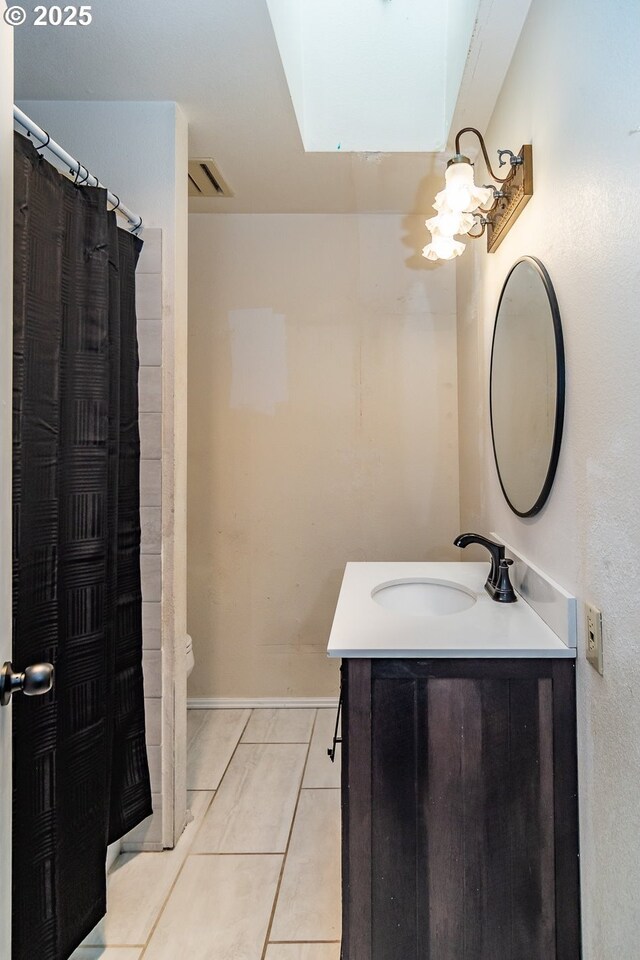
(205, 180)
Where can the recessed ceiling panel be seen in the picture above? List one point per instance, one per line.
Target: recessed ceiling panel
(373, 75)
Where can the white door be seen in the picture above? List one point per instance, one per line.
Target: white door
(6, 326)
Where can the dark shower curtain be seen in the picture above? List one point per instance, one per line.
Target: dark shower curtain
(81, 778)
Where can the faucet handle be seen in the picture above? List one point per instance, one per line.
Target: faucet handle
(502, 590)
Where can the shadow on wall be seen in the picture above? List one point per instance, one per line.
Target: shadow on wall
(416, 234)
(319, 617)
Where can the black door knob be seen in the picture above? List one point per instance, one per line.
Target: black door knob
(36, 680)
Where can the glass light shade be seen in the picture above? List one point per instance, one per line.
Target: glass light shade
(442, 248)
(460, 194)
(448, 223)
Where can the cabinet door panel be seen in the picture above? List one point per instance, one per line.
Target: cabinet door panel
(487, 828)
(394, 844)
(531, 819)
(488, 819)
(442, 808)
(467, 812)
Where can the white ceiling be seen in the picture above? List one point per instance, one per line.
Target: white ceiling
(219, 59)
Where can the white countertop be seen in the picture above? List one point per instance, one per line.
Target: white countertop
(363, 628)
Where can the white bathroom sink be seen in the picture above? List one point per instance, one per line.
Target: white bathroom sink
(423, 597)
(395, 609)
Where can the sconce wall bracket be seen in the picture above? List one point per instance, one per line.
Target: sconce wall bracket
(517, 191)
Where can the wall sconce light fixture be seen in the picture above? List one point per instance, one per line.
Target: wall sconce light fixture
(463, 206)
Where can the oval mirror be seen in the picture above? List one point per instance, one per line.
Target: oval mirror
(527, 386)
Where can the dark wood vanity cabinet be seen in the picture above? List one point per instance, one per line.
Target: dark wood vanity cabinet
(460, 815)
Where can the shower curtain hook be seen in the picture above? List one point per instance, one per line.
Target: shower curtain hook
(137, 227)
(43, 145)
(76, 182)
(117, 204)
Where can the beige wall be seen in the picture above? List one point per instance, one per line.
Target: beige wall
(572, 91)
(322, 428)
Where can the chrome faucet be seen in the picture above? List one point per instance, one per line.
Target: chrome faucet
(498, 584)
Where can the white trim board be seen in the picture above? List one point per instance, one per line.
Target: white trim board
(113, 852)
(257, 703)
(495, 37)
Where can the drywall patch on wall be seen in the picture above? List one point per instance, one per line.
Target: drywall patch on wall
(258, 343)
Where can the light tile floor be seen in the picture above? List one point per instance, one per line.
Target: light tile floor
(256, 874)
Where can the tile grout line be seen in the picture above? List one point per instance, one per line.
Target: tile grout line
(321, 788)
(235, 750)
(243, 853)
(233, 753)
(336, 764)
(194, 736)
(173, 885)
(179, 873)
(274, 743)
(286, 852)
(266, 739)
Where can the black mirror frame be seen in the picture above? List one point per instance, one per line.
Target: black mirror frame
(560, 389)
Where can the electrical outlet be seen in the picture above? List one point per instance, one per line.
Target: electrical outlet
(594, 638)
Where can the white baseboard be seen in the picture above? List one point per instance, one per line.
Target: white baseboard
(256, 703)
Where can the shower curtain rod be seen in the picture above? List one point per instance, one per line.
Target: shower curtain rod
(82, 175)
